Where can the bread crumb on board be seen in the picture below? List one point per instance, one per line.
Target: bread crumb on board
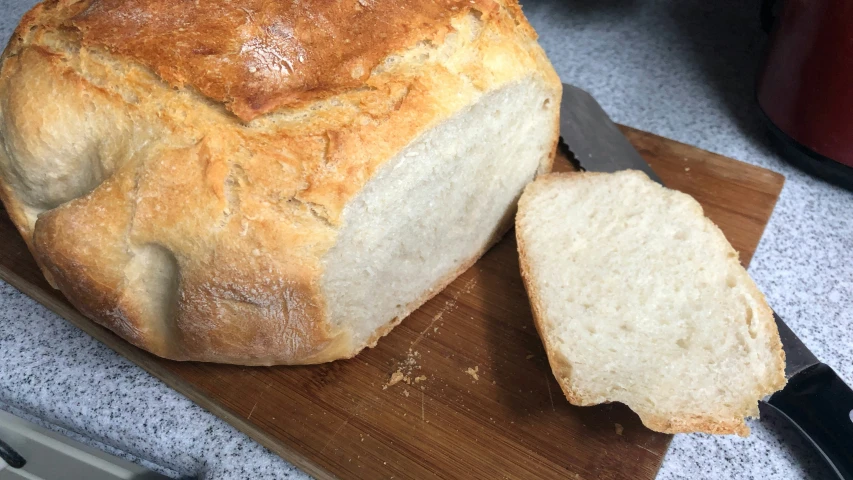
(473, 373)
(396, 378)
(406, 368)
(406, 371)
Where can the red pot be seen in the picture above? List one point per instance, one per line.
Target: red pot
(806, 84)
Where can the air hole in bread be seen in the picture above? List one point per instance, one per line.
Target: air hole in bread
(750, 321)
(742, 342)
(731, 280)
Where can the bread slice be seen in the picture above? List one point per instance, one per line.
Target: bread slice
(640, 299)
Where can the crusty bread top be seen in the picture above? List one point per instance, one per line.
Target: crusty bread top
(328, 143)
(256, 56)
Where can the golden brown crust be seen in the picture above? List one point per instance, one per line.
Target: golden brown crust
(257, 56)
(695, 424)
(682, 423)
(185, 229)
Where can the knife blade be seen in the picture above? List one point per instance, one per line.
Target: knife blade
(797, 356)
(593, 139)
(815, 399)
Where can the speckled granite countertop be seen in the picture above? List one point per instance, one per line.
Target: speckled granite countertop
(679, 69)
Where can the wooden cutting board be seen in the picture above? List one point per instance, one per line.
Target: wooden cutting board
(478, 400)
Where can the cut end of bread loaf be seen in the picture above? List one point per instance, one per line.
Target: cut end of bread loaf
(640, 299)
(435, 208)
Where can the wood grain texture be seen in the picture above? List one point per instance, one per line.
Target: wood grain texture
(488, 406)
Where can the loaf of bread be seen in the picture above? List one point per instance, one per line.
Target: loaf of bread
(258, 182)
(640, 299)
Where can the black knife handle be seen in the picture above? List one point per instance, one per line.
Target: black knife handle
(10, 456)
(820, 404)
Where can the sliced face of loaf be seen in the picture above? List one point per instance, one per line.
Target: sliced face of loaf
(640, 299)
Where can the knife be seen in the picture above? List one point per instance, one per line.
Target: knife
(815, 400)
